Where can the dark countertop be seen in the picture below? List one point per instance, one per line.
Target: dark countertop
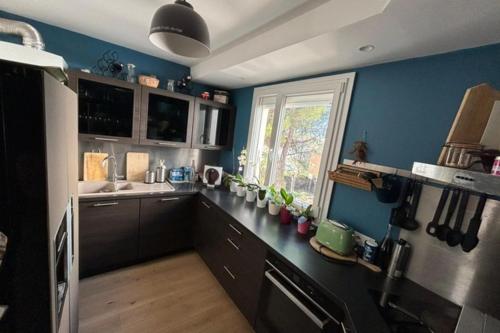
(351, 286)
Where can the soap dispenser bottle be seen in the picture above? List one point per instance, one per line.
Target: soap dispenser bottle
(161, 172)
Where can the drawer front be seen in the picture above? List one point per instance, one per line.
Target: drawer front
(108, 234)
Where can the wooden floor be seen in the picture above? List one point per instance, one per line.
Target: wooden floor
(173, 294)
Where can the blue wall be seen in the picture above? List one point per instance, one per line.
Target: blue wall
(407, 108)
(81, 51)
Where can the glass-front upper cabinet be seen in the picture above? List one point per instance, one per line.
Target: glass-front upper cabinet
(166, 118)
(108, 109)
(213, 125)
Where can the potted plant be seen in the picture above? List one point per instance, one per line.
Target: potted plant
(230, 182)
(305, 220)
(251, 192)
(275, 201)
(261, 197)
(286, 208)
(241, 186)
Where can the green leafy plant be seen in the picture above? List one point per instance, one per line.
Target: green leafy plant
(262, 193)
(287, 197)
(307, 213)
(238, 179)
(274, 196)
(252, 187)
(228, 178)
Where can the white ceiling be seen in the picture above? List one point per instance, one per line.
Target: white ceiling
(268, 40)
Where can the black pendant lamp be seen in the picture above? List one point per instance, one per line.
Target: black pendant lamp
(178, 28)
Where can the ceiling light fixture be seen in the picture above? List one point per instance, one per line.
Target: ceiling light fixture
(367, 48)
(178, 28)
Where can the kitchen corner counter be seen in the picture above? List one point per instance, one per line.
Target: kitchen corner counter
(351, 286)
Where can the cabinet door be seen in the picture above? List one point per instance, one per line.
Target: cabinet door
(213, 125)
(108, 234)
(165, 225)
(208, 234)
(108, 109)
(167, 118)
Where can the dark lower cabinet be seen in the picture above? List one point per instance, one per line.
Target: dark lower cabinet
(165, 225)
(108, 235)
(236, 258)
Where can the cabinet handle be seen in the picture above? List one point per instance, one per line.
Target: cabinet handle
(234, 228)
(105, 139)
(229, 273)
(166, 144)
(233, 244)
(205, 204)
(169, 199)
(103, 204)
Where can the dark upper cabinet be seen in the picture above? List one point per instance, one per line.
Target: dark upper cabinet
(213, 125)
(108, 109)
(166, 118)
(108, 234)
(165, 225)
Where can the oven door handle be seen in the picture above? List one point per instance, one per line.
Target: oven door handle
(317, 321)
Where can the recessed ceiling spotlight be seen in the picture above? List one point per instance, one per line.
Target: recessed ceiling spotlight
(367, 48)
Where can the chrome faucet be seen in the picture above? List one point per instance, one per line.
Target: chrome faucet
(114, 175)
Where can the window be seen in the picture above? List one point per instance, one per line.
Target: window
(295, 136)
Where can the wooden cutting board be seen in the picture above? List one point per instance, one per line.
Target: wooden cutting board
(93, 168)
(137, 165)
(330, 254)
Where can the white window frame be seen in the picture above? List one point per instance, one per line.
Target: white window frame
(341, 85)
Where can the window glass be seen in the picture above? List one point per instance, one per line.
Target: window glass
(301, 139)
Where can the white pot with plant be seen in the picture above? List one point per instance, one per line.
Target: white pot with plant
(262, 197)
(275, 201)
(251, 193)
(241, 188)
(230, 182)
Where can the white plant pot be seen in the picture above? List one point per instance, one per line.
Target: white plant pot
(233, 187)
(241, 191)
(261, 203)
(251, 195)
(274, 209)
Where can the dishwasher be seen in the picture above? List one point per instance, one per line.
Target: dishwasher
(291, 304)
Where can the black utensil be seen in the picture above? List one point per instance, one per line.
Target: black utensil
(410, 223)
(432, 226)
(399, 214)
(443, 229)
(455, 236)
(470, 239)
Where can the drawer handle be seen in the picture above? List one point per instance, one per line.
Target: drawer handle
(233, 244)
(105, 139)
(168, 199)
(229, 273)
(205, 204)
(235, 229)
(104, 204)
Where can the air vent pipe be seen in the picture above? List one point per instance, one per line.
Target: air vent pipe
(31, 36)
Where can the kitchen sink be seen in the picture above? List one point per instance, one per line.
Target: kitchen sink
(105, 188)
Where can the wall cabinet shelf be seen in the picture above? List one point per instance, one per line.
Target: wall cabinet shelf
(108, 109)
(113, 110)
(213, 125)
(166, 118)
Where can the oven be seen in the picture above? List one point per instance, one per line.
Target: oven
(290, 304)
(62, 261)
